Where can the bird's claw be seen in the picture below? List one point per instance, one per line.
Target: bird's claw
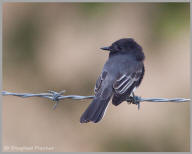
(134, 100)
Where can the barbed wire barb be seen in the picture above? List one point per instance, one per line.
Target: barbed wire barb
(57, 96)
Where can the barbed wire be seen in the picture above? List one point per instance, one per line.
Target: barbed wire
(57, 96)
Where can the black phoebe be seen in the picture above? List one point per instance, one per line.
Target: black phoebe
(122, 72)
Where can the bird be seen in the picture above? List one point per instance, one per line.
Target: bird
(121, 75)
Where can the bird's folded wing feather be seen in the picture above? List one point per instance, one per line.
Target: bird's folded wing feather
(99, 82)
(125, 81)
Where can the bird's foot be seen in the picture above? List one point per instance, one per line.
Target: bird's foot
(134, 100)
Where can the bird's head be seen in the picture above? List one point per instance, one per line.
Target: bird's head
(126, 45)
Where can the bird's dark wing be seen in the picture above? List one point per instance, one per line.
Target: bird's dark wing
(125, 84)
(98, 106)
(126, 81)
(99, 82)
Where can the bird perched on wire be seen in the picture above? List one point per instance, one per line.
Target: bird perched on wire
(121, 74)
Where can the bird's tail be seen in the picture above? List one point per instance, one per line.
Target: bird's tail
(95, 110)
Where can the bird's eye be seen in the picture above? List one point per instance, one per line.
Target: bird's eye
(118, 48)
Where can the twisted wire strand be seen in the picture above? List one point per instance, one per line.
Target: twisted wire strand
(57, 96)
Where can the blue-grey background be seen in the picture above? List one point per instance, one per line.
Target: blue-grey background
(56, 46)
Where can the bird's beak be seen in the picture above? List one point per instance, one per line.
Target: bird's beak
(106, 48)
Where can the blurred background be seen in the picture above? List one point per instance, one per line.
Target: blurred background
(56, 46)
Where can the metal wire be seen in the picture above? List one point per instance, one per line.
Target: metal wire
(57, 96)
